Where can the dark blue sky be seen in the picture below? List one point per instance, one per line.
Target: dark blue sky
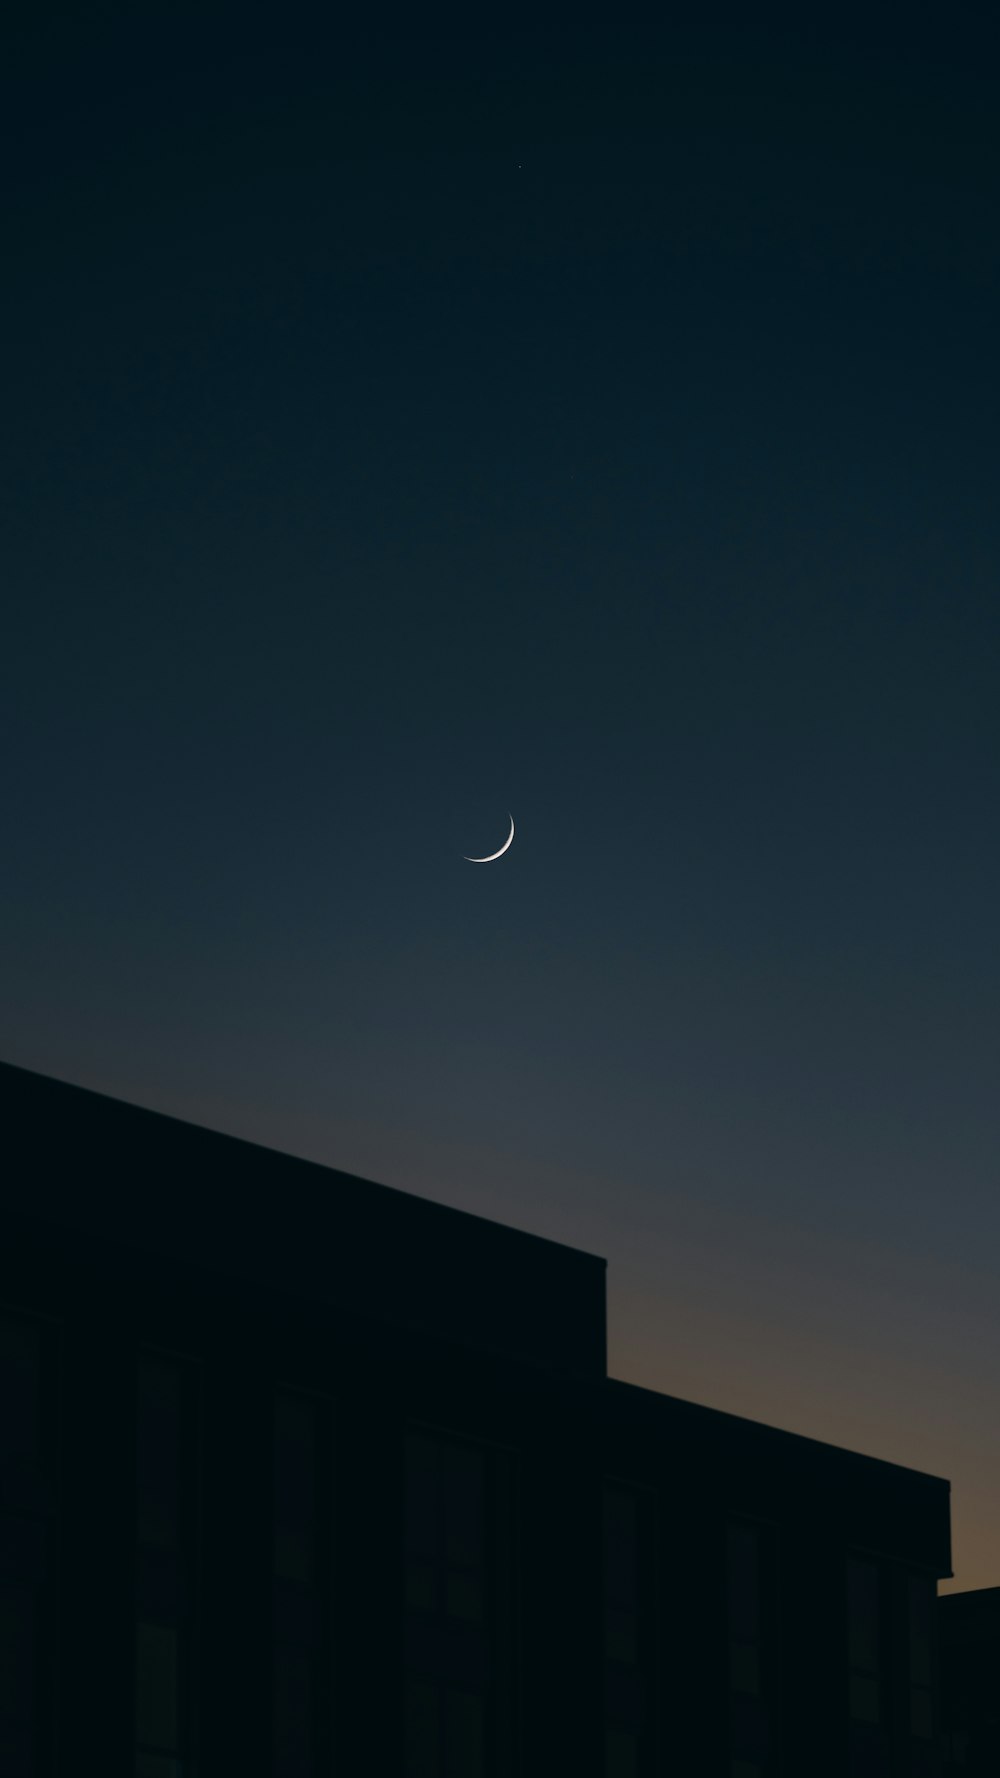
(404, 431)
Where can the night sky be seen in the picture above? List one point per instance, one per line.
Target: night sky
(405, 429)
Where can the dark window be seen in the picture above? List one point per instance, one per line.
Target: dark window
(166, 1532)
(921, 1596)
(21, 1395)
(628, 1622)
(750, 1610)
(864, 1637)
(745, 1615)
(868, 1716)
(457, 1555)
(302, 1485)
(27, 1544)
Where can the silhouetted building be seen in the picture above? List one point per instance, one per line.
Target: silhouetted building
(969, 1630)
(303, 1476)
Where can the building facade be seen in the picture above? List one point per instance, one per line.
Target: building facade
(301, 1476)
(969, 1627)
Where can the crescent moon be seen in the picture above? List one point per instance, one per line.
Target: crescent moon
(502, 850)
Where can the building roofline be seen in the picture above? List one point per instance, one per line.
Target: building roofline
(722, 1418)
(315, 1168)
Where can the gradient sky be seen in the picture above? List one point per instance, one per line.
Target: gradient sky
(402, 431)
